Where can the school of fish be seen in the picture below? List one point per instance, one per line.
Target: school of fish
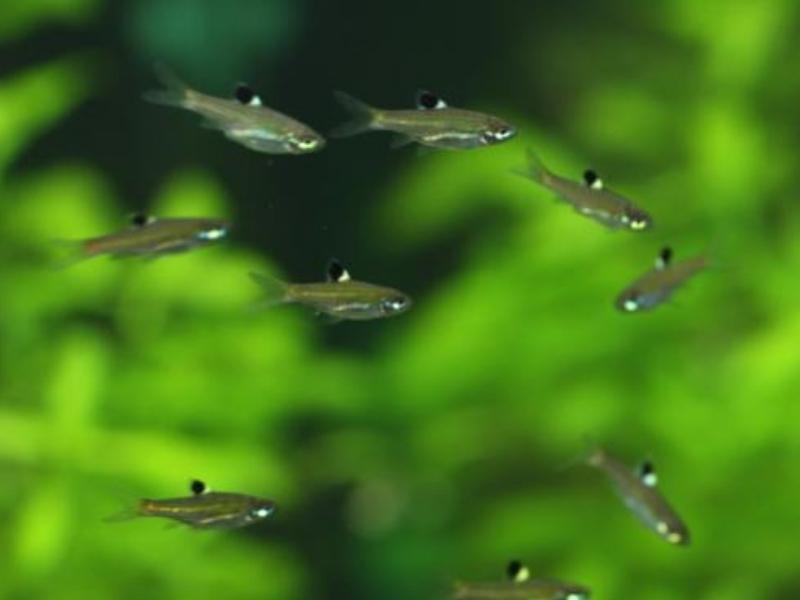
(243, 118)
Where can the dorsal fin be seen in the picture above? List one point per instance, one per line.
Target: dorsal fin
(664, 258)
(245, 95)
(592, 179)
(517, 571)
(336, 272)
(198, 487)
(141, 219)
(647, 474)
(426, 100)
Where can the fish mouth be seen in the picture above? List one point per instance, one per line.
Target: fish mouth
(628, 304)
(500, 134)
(307, 145)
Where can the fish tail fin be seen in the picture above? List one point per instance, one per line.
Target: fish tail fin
(592, 455)
(275, 291)
(126, 514)
(66, 253)
(175, 92)
(595, 455)
(362, 116)
(460, 590)
(535, 168)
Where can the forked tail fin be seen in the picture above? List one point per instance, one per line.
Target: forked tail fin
(175, 92)
(534, 168)
(125, 514)
(275, 290)
(592, 455)
(362, 116)
(65, 253)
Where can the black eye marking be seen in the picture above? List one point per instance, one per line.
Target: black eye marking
(198, 487)
(139, 220)
(336, 271)
(665, 255)
(429, 101)
(590, 177)
(244, 94)
(647, 473)
(513, 569)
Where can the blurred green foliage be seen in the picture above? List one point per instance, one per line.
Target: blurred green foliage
(442, 450)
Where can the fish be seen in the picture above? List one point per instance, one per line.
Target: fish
(151, 237)
(520, 587)
(638, 489)
(339, 297)
(657, 285)
(242, 119)
(205, 509)
(590, 197)
(433, 123)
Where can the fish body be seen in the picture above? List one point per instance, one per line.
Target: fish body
(155, 237)
(340, 298)
(209, 510)
(535, 589)
(242, 119)
(640, 494)
(590, 197)
(432, 124)
(657, 285)
(520, 587)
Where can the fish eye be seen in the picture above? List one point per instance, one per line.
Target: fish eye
(674, 537)
(395, 303)
(262, 511)
(637, 220)
(306, 144)
(630, 303)
(504, 133)
(213, 233)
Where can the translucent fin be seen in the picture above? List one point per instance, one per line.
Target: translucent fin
(536, 169)
(328, 319)
(592, 455)
(66, 253)
(175, 92)
(126, 514)
(275, 290)
(363, 116)
(400, 140)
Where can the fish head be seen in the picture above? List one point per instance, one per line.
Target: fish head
(636, 300)
(260, 509)
(497, 131)
(629, 301)
(305, 142)
(395, 303)
(636, 219)
(211, 230)
(675, 532)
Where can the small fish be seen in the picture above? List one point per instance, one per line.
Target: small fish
(433, 123)
(205, 509)
(340, 297)
(658, 284)
(589, 198)
(151, 237)
(638, 490)
(242, 119)
(520, 587)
